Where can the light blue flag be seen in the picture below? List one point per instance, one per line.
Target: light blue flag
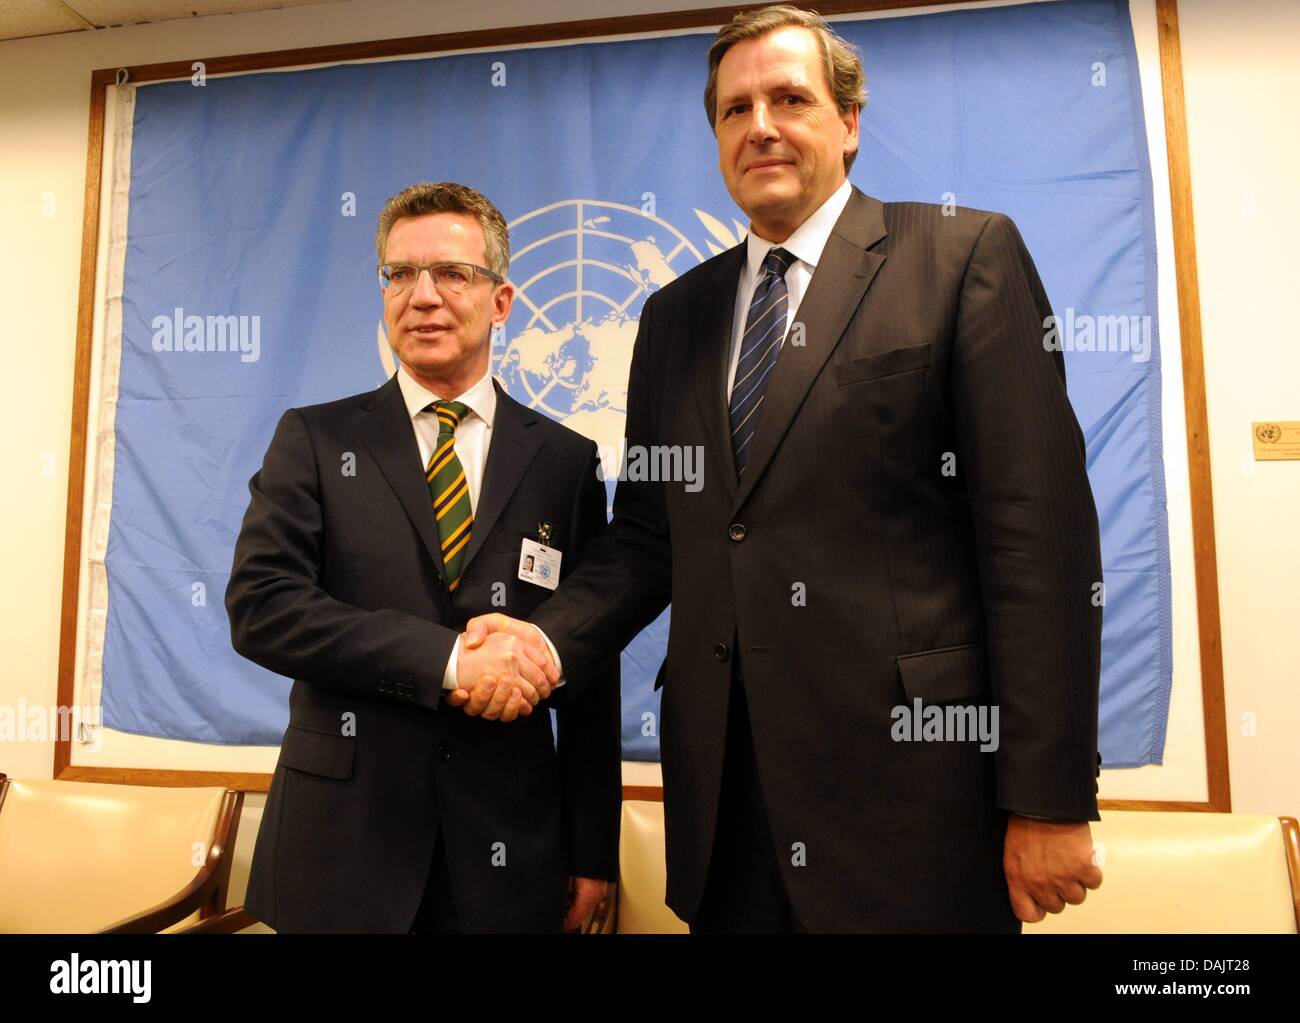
(253, 204)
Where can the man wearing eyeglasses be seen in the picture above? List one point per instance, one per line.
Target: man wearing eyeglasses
(379, 524)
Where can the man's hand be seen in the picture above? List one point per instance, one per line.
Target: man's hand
(491, 624)
(491, 698)
(479, 692)
(501, 676)
(1047, 863)
(584, 895)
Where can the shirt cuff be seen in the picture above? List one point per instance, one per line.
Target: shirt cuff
(554, 656)
(449, 676)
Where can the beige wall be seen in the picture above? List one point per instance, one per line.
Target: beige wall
(1241, 69)
(1242, 73)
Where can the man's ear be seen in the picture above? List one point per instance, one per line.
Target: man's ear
(850, 119)
(501, 303)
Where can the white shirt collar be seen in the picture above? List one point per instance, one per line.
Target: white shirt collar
(481, 397)
(809, 238)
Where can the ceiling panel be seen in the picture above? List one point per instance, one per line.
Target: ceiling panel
(20, 18)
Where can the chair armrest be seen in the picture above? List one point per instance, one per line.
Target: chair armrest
(230, 922)
(207, 892)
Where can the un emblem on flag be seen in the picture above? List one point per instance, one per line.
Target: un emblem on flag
(582, 270)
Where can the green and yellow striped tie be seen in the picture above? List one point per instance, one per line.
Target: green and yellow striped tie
(449, 490)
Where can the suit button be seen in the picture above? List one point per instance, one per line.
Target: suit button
(737, 531)
(444, 754)
(720, 651)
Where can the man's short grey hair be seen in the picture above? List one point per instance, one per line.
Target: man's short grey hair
(449, 197)
(840, 60)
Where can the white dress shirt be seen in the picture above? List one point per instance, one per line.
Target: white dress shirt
(473, 435)
(806, 245)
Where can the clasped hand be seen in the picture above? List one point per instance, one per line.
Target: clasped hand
(503, 669)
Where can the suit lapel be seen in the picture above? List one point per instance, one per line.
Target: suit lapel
(387, 433)
(514, 446)
(716, 308)
(842, 277)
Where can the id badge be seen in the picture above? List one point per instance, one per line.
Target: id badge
(539, 565)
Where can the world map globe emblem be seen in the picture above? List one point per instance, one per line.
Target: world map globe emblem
(582, 269)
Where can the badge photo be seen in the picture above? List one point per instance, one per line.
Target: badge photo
(539, 565)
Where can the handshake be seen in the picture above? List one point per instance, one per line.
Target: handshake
(503, 668)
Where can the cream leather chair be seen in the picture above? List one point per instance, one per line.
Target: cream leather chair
(643, 872)
(77, 857)
(1163, 873)
(1188, 873)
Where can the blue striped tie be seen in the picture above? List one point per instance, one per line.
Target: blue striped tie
(760, 346)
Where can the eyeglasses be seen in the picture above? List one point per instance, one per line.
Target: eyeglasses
(447, 277)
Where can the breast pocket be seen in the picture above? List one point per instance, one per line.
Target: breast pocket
(507, 543)
(884, 364)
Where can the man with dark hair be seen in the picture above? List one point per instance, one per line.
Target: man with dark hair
(378, 525)
(899, 514)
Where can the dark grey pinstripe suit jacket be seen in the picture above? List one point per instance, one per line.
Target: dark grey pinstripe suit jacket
(924, 344)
